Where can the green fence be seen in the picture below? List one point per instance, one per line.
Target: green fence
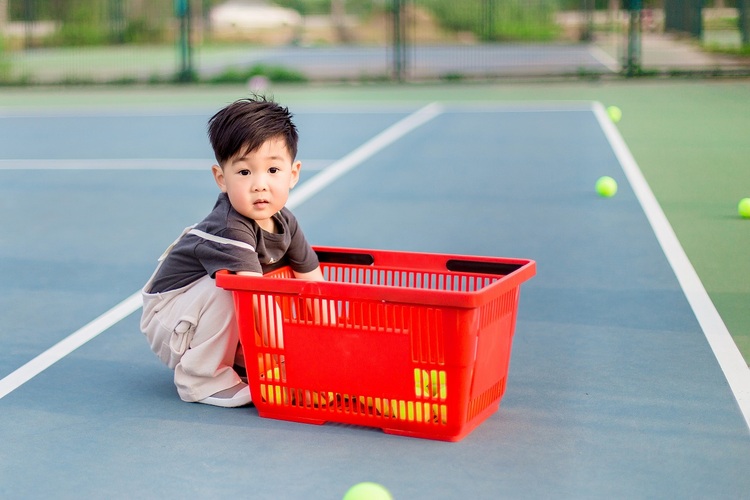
(142, 41)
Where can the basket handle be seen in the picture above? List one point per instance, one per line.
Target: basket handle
(352, 258)
(472, 266)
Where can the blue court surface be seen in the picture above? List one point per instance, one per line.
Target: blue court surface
(617, 388)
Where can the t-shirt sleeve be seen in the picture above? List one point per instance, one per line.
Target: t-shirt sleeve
(216, 256)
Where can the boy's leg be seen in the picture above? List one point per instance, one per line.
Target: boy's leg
(206, 366)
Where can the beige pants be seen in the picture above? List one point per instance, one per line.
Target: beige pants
(193, 331)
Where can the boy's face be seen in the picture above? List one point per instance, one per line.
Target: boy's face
(258, 183)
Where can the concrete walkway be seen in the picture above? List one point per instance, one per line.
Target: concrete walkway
(665, 52)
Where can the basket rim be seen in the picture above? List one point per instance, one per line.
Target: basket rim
(412, 262)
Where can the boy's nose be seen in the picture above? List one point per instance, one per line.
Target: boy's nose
(259, 184)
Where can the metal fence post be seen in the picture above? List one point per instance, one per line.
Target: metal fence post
(186, 73)
(399, 51)
(489, 20)
(29, 18)
(587, 33)
(117, 21)
(633, 59)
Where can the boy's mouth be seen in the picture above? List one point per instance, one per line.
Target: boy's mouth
(260, 203)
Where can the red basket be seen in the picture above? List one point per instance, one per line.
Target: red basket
(415, 344)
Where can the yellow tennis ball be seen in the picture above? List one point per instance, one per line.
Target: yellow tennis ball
(615, 113)
(606, 186)
(743, 208)
(273, 375)
(367, 491)
(429, 384)
(382, 407)
(421, 383)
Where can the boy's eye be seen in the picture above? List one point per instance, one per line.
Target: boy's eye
(244, 172)
(273, 170)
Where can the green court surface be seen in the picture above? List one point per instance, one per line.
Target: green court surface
(689, 137)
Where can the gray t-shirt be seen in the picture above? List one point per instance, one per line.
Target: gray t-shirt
(195, 256)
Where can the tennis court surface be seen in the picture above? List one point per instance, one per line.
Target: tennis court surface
(616, 387)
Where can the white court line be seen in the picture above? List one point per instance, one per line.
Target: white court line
(128, 164)
(125, 308)
(603, 57)
(107, 164)
(348, 162)
(727, 354)
(69, 344)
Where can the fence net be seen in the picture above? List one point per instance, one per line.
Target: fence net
(123, 41)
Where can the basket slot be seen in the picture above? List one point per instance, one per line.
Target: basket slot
(427, 342)
(470, 283)
(271, 367)
(311, 311)
(430, 384)
(471, 266)
(492, 355)
(352, 258)
(499, 308)
(269, 330)
(485, 400)
(421, 280)
(408, 411)
(282, 272)
(375, 317)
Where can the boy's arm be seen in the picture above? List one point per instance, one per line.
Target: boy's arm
(323, 311)
(314, 275)
(268, 319)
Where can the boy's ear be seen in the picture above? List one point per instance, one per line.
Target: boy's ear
(219, 177)
(296, 167)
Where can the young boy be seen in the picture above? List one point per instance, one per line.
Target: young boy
(188, 320)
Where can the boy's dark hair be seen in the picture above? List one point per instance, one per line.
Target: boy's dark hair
(246, 124)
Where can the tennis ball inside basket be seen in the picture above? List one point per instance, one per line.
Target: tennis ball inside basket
(606, 187)
(429, 384)
(368, 491)
(383, 407)
(273, 375)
